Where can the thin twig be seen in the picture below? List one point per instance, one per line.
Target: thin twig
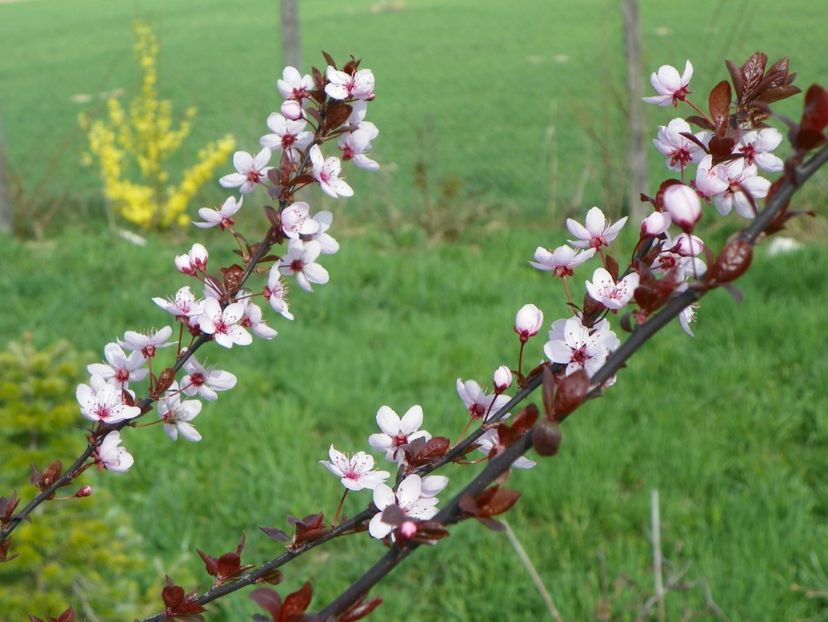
(655, 535)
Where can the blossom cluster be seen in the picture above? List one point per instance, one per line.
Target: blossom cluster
(315, 110)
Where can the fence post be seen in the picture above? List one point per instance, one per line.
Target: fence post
(291, 39)
(636, 153)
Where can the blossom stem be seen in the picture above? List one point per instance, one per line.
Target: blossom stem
(520, 362)
(339, 507)
(465, 429)
(566, 291)
(697, 109)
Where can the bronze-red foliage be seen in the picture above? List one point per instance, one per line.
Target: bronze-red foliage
(226, 566)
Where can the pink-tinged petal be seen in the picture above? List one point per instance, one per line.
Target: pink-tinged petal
(188, 432)
(757, 186)
(376, 527)
(243, 161)
(373, 479)
(668, 79)
(331, 467)
(422, 509)
(223, 339)
(412, 420)
(364, 162)
(277, 123)
(352, 484)
(381, 442)
(688, 73)
(433, 485)
(388, 420)
(233, 313)
(262, 158)
(232, 180)
(743, 206)
(239, 335)
(768, 139)
(577, 229)
(339, 459)
(341, 188)
(409, 490)
(315, 273)
(596, 222)
(659, 100)
(769, 162)
(723, 203)
(336, 91)
(383, 496)
(612, 231)
(316, 158)
(523, 463)
(557, 352)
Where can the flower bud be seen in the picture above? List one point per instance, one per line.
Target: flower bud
(292, 109)
(528, 322)
(683, 205)
(182, 262)
(502, 379)
(688, 245)
(408, 529)
(655, 224)
(198, 257)
(84, 491)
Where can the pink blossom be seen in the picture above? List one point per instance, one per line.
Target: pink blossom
(740, 178)
(341, 85)
(655, 224)
(490, 440)
(250, 171)
(110, 456)
(296, 221)
(147, 343)
(757, 145)
(597, 232)
(562, 261)
(502, 379)
(195, 260)
(288, 135)
(528, 321)
(708, 182)
(222, 217)
(578, 347)
(292, 110)
(120, 368)
(326, 172)
(477, 401)
(177, 414)
(253, 319)
(275, 293)
(609, 293)
(397, 432)
(416, 497)
(671, 87)
(356, 473)
(354, 145)
(183, 305)
(680, 150)
(294, 85)
(683, 205)
(327, 244)
(205, 382)
(300, 261)
(224, 324)
(100, 401)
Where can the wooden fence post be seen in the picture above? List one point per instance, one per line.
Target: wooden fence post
(636, 152)
(291, 39)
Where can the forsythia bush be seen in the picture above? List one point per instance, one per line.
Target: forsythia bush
(71, 556)
(140, 141)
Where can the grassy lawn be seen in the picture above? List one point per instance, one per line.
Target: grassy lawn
(521, 104)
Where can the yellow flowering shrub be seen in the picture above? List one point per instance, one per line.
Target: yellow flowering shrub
(136, 145)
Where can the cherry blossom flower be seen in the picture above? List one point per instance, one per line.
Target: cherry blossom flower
(679, 256)
(490, 441)
(195, 260)
(528, 321)
(100, 401)
(739, 177)
(300, 260)
(148, 343)
(184, 304)
(327, 244)
(275, 292)
(326, 172)
(655, 224)
(708, 182)
(288, 135)
(253, 319)
(296, 221)
(224, 325)
(562, 261)
(397, 432)
(110, 456)
(756, 146)
(250, 170)
(609, 293)
(294, 85)
(596, 233)
(686, 245)
(671, 87)
(292, 110)
(680, 150)
(119, 369)
(359, 109)
(341, 85)
(502, 379)
(356, 473)
(683, 205)
(354, 145)
(477, 401)
(415, 496)
(177, 414)
(574, 345)
(205, 382)
(222, 217)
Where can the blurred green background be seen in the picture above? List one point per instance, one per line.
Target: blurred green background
(513, 114)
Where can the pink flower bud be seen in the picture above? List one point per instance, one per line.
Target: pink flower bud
(528, 322)
(198, 257)
(182, 262)
(84, 491)
(408, 530)
(655, 224)
(683, 205)
(688, 245)
(292, 109)
(502, 379)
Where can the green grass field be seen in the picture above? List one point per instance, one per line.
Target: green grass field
(731, 426)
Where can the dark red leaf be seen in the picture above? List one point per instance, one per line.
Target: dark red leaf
(732, 262)
(359, 610)
(178, 603)
(210, 563)
(546, 437)
(549, 388)
(752, 71)
(269, 600)
(275, 534)
(162, 383)
(611, 266)
(273, 216)
(420, 452)
(501, 501)
(298, 601)
(700, 122)
(721, 148)
(736, 78)
(232, 278)
(329, 59)
(47, 477)
(337, 114)
(719, 104)
(571, 392)
(7, 507)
